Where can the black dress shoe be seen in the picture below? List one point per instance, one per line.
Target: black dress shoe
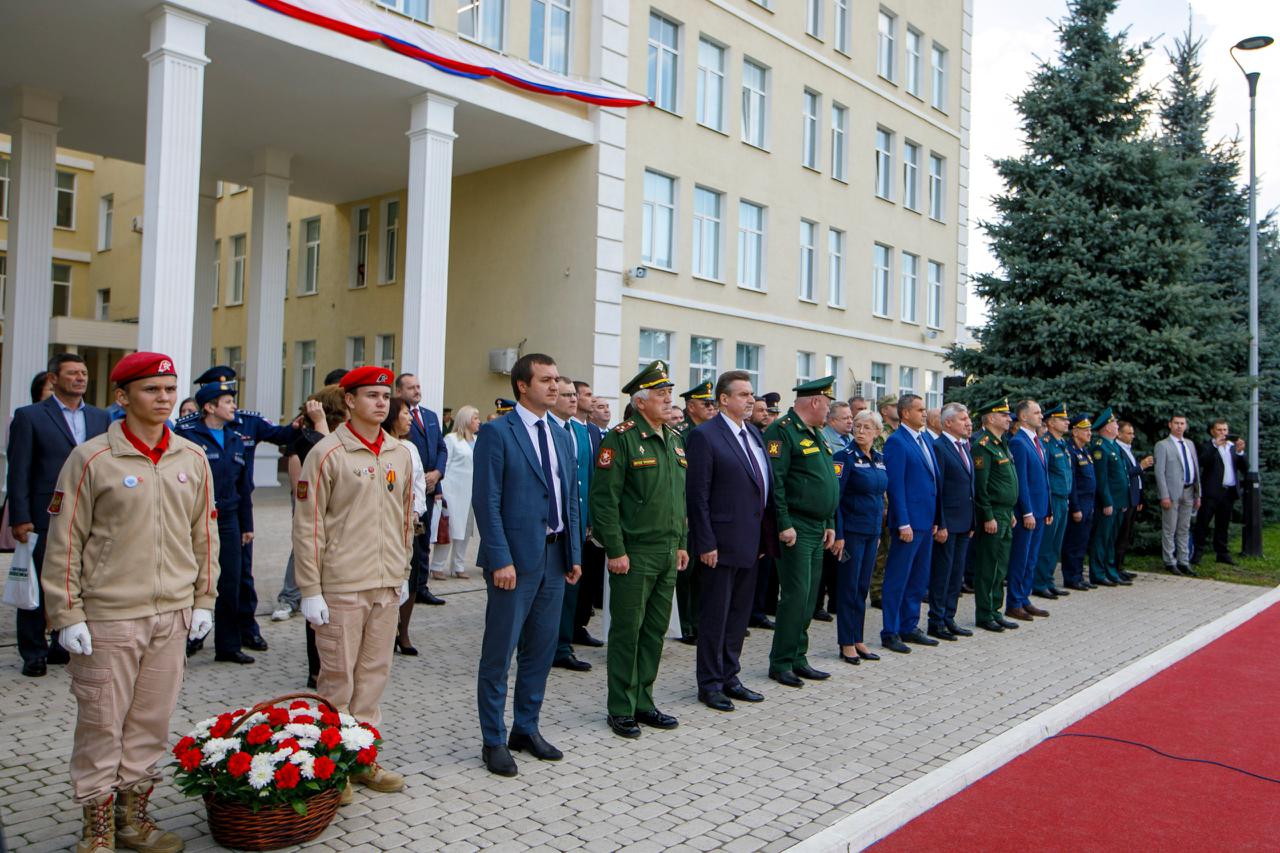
(232, 657)
(581, 637)
(1225, 559)
(716, 701)
(942, 634)
(743, 694)
(765, 624)
(1171, 569)
(821, 615)
(624, 726)
(499, 761)
(1080, 586)
(1061, 593)
(311, 682)
(966, 588)
(426, 597)
(410, 651)
(572, 663)
(57, 654)
(991, 625)
(690, 639)
(894, 644)
(1007, 624)
(918, 638)
(1103, 582)
(1128, 576)
(1188, 571)
(34, 669)
(256, 643)
(957, 630)
(1195, 561)
(810, 673)
(854, 659)
(534, 744)
(868, 655)
(194, 646)
(1044, 593)
(1123, 581)
(655, 719)
(788, 679)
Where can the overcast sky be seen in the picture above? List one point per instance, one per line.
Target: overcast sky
(1010, 36)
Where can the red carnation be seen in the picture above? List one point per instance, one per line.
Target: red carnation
(298, 704)
(183, 745)
(259, 734)
(222, 726)
(287, 776)
(191, 759)
(238, 764)
(328, 718)
(291, 743)
(367, 755)
(376, 733)
(277, 717)
(330, 738)
(323, 767)
(305, 719)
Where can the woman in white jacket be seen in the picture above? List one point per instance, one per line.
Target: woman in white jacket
(456, 489)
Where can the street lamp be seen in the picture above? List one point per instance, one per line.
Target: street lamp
(1251, 539)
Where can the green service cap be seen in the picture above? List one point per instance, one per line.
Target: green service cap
(1082, 420)
(1103, 419)
(816, 387)
(995, 407)
(654, 375)
(1057, 410)
(701, 391)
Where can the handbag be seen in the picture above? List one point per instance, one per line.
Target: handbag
(22, 587)
(442, 527)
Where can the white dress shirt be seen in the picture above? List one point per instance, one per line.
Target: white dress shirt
(530, 421)
(74, 418)
(1228, 463)
(419, 479)
(916, 439)
(756, 450)
(564, 425)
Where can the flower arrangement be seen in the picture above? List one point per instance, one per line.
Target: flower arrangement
(272, 756)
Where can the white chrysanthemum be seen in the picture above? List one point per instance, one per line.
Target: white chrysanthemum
(303, 730)
(279, 736)
(348, 720)
(216, 749)
(253, 720)
(294, 713)
(306, 763)
(307, 742)
(202, 728)
(263, 761)
(260, 777)
(355, 738)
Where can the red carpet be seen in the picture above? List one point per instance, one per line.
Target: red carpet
(1081, 794)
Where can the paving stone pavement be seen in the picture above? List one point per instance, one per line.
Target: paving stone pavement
(761, 778)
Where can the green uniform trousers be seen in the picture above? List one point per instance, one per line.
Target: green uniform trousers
(639, 612)
(799, 573)
(991, 565)
(687, 598)
(568, 615)
(1102, 545)
(1050, 544)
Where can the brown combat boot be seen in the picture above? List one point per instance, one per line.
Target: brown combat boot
(99, 834)
(135, 830)
(379, 779)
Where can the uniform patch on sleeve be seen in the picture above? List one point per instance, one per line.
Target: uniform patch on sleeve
(303, 488)
(605, 459)
(979, 461)
(645, 462)
(1097, 454)
(775, 448)
(55, 503)
(839, 468)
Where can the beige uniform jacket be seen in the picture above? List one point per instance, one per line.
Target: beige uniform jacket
(353, 521)
(127, 538)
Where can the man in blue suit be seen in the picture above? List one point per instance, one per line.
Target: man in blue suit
(424, 432)
(1032, 466)
(523, 493)
(41, 438)
(729, 498)
(956, 524)
(561, 414)
(913, 520)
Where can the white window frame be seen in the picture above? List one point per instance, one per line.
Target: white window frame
(59, 191)
(937, 187)
(840, 25)
(913, 81)
(102, 304)
(106, 219)
(701, 370)
(657, 212)
(743, 347)
(386, 350)
(884, 163)
(55, 283)
(880, 382)
(217, 273)
(805, 362)
(659, 346)
(357, 352)
(750, 237)
(906, 380)
(811, 137)
(938, 61)
(4, 187)
(911, 175)
(755, 107)
(409, 8)
(887, 45)
(808, 260)
(910, 288)
(933, 310)
(839, 142)
(238, 268)
(933, 389)
(834, 366)
(662, 56)
(554, 57)
(711, 80)
(836, 243)
(708, 235)
(234, 358)
(309, 251)
(389, 243)
(813, 17)
(360, 247)
(881, 279)
(4, 281)
(306, 369)
(474, 25)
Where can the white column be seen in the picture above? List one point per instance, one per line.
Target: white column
(175, 106)
(205, 284)
(267, 260)
(426, 265)
(28, 301)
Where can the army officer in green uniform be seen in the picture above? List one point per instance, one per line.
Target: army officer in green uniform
(637, 513)
(1112, 497)
(806, 490)
(699, 407)
(995, 492)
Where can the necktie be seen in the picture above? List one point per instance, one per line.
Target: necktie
(1039, 448)
(1186, 464)
(964, 453)
(417, 418)
(553, 509)
(755, 466)
(573, 439)
(928, 460)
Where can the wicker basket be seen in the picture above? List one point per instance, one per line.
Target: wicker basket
(236, 825)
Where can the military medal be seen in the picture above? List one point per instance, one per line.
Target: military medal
(391, 478)
(182, 476)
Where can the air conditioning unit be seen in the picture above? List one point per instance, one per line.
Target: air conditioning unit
(867, 391)
(135, 224)
(503, 360)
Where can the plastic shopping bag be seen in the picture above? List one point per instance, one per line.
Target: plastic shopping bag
(22, 588)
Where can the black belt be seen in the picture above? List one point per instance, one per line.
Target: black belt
(555, 537)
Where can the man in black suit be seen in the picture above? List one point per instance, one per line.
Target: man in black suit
(424, 432)
(41, 438)
(1134, 467)
(729, 498)
(1222, 468)
(951, 541)
(591, 587)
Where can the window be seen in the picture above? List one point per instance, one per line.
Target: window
(710, 84)
(750, 245)
(417, 9)
(839, 133)
(235, 359)
(934, 309)
(813, 17)
(657, 240)
(390, 239)
(237, 270)
(835, 367)
(102, 304)
(387, 351)
(355, 352)
(654, 345)
(4, 281)
(808, 258)
(812, 128)
(217, 276)
(933, 389)
(910, 283)
(840, 25)
(664, 55)
(106, 213)
(549, 34)
(306, 369)
(748, 359)
(879, 379)
(360, 252)
(937, 175)
(910, 176)
(886, 46)
(60, 276)
(4, 187)
(707, 205)
(804, 366)
(835, 268)
(704, 359)
(310, 256)
(483, 21)
(884, 164)
(288, 260)
(914, 60)
(939, 97)
(64, 215)
(906, 380)
(755, 103)
(880, 272)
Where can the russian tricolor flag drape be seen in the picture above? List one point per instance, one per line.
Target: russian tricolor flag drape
(360, 20)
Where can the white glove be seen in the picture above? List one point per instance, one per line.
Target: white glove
(315, 611)
(201, 624)
(75, 639)
(404, 592)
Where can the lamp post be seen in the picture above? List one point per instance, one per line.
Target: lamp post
(1251, 538)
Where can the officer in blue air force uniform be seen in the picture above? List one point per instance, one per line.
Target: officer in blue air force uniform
(1080, 504)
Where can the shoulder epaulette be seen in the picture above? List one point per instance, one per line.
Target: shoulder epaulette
(983, 441)
(786, 419)
(186, 419)
(624, 426)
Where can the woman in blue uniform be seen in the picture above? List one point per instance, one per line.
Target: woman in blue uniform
(859, 521)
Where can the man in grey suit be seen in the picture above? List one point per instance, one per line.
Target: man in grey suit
(1178, 483)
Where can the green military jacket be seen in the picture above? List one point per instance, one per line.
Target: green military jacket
(1060, 471)
(804, 476)
(995, 481)
(636, 498)
(1111, 472)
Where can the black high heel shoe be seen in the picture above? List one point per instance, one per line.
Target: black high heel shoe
(405, 650)
(868, 655)
(848, 659)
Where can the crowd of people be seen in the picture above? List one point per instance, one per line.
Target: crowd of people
(731, 508)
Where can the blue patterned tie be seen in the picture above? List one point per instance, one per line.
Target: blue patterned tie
(553, 510)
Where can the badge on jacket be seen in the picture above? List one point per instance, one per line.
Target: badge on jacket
(605, 459)
(775, 448)
(55, 503)
(302, 490)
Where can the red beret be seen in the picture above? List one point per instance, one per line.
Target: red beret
(370, 374)
(140, 365)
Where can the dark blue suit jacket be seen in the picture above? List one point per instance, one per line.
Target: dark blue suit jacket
(1033, 475)
(430, 442)
(39, 443)
(1135, 475)
(913, 490)
(722, 496)
(957, 486)
(509, 497)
